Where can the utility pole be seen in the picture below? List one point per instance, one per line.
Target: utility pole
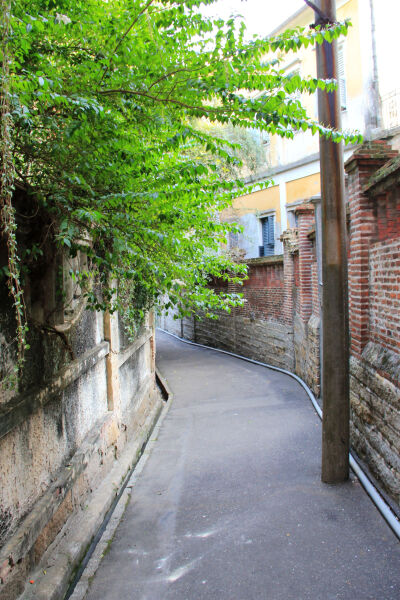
(335, 355)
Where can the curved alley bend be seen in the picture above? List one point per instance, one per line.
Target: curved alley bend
(230, 506)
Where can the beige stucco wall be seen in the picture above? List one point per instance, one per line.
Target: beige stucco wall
(283, 151)
(305, 187)
(60, 439)
(260, 201)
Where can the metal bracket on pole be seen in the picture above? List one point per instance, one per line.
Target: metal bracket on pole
(322, 18)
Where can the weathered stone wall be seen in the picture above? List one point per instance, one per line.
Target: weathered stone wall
(375, 418)
(306, 351)
(87, 392)
(260, 339)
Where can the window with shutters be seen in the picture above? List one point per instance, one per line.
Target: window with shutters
(268, 236)
(342, 77)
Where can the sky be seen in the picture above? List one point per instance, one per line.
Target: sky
(261, 16)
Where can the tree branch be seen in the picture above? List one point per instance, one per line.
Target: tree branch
(135, 20)
(156, 99)
(182, 70)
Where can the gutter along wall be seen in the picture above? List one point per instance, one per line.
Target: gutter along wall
(280, 321)
(88, 403)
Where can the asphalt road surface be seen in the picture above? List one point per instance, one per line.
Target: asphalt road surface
(230, 505)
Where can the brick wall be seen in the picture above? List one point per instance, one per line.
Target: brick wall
(305, 216)
(361, 166)
(315, 289)
(290, 273)
(264, 290)
(374, 290)
(305, 318)
(259, 329)
(384, 281)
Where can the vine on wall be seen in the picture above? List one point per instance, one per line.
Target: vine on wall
(100, 138)
(7, 212)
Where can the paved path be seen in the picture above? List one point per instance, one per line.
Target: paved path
(230, 505)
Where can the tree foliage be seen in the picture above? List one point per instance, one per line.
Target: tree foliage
(104, 98)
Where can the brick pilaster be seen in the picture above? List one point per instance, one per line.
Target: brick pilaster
(362, 164)
(306, 219)
(290, 245)
(315, 289)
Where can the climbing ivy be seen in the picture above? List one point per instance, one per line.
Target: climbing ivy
(7, 211)
(100, 106)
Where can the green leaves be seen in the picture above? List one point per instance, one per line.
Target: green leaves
(116, 109)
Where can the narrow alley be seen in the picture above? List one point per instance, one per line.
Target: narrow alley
(230, 505)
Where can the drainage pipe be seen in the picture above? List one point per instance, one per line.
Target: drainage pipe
(371, 490)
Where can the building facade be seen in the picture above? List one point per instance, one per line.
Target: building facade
(370, 102)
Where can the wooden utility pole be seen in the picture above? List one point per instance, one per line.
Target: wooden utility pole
(335, 361)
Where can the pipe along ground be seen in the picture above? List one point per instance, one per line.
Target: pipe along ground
(368, 486)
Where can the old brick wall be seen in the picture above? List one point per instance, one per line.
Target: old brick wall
(257, 330)
(374, 295)
(384, 285)
(306, 318)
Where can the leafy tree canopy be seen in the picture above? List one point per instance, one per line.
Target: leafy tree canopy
(105, 99)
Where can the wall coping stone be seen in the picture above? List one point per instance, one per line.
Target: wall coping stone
(305, 207)
(383, 361)
(290, 239)
(311, 232)
(264, 260)
(124, 355)
(370, 154)
(387, 176)
(15, 411)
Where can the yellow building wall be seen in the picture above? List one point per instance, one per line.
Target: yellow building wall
(354, 80)
(305, 61)
(260, 201)
(303, 188)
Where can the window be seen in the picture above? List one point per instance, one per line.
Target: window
(342, 77)
(292, 219)
(268, 236)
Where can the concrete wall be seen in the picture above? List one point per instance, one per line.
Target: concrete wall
(88, 395)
